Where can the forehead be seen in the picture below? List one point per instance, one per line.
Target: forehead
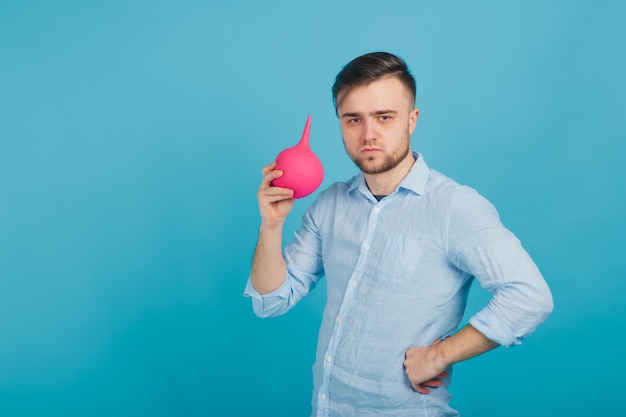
(388, 92)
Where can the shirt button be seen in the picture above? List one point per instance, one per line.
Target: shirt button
(340, 321)
(354, 283)
(366, 247)
(329, 358)
(323, 396)
(377, 210)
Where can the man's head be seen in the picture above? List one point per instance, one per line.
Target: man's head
(368, 68)
(375, 99)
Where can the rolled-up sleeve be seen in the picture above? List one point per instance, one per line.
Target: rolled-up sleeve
(304, 269)
(480, 245)
(270, 304)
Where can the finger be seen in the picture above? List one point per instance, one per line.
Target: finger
(278, 198)
(271, 176)
(274, 194)
(433, 383)
(271, 190)
(409, 352)
(420, 389)
(444, 374)
(268, 188)
(268, 168)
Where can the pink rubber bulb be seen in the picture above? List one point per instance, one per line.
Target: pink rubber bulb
(302, 170)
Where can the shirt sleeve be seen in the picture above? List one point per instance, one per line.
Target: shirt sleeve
(480, 245)
(303, 256)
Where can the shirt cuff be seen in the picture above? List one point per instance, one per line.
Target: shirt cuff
(492, 327)
(266, 305)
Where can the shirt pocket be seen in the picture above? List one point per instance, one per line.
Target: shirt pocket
(395, 259)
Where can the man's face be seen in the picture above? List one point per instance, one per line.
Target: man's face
(376, 122)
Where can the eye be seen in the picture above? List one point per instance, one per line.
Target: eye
(354, 121)
(384, 118)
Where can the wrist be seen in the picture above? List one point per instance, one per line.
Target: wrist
(438, 356)
(269, 228)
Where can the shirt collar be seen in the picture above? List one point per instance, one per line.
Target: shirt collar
(415, 180)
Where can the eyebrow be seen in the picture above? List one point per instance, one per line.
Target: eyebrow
(375, 113)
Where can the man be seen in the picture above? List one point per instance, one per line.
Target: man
(399, 244)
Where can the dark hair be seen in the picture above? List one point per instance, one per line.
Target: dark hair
(369, 68)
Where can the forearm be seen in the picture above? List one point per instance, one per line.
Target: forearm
(268, 265)
(465, 344)
(424, 363)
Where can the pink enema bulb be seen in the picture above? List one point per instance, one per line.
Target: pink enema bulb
(302, 170)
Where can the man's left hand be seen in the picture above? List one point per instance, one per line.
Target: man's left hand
(421, 368)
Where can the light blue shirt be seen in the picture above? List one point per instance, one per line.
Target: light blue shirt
(398, 275)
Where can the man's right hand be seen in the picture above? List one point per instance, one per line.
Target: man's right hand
(275, 203)
(268, 266)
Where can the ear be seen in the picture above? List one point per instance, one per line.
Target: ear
(413, 119)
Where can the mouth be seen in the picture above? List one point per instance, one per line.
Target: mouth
(370, 151)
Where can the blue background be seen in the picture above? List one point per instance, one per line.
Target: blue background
(132, 135)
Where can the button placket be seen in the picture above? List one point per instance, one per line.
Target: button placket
(348, 299)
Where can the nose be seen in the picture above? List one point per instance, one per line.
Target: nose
(369, 130)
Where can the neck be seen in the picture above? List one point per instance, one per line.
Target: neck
(386, 183)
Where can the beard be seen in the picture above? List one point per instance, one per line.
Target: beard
(389, 161)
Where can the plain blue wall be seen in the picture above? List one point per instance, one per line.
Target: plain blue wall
(132, 135)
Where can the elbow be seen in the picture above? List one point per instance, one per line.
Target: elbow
(264, 309)
(539, 306)
(547, 305)
(260, 313)
(545, 301)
